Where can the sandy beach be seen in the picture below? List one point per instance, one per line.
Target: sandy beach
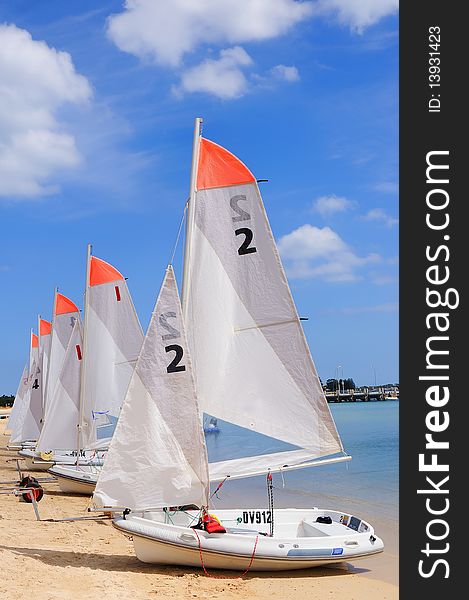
(89, 559)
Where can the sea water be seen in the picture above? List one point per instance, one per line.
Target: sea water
(367, 485)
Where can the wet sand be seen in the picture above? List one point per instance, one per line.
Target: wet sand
(84, 560)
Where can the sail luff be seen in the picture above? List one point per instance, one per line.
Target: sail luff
(190, 215)
(46, 378)
(85, 351)
(33, 349)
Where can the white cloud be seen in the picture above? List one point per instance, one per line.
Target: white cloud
(35, 81)
(164, 31)
(380, 216)
(312, 252)
(357, 14)
(285, 73)
(329, 205)
(223, 77)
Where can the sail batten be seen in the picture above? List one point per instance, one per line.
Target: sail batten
(252, 466)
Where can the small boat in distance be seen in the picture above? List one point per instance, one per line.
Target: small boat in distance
(211, 425)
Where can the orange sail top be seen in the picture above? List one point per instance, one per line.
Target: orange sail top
(45, 327)
(219, 168)
(64, 305)
(102, 272)
(34, 341)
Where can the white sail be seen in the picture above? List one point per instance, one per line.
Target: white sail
(64, 317)
(59, 431)
(157, 456)
(45, 339)
(252, 363)
(33, 350)
(18, 404)
(112, 340)
(30, 426)
(28, 420)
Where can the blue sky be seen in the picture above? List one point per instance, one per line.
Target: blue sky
(97, 102)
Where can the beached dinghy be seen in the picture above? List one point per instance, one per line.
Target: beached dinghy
(59, 430)
(19, 406)
(25, 422)
(76, 479)
(112, 338)
(252, 367)
(38, 395)
(173, 469)
(302, 539)
(45, 453)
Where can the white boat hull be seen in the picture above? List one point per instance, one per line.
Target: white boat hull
(301, 543)
(75, 481)
(34, 462)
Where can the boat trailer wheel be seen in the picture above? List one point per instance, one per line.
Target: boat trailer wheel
(35, 489)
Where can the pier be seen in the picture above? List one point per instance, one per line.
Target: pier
(362, 395)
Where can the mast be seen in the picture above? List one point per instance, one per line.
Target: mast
(190, 215)
(84, 342)
(30, 351)
(46, 382)
(39, 365)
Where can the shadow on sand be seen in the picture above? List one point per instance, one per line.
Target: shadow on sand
(122, 563)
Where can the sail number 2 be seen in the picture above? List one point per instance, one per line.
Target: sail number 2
(173, 333)
(242, 215)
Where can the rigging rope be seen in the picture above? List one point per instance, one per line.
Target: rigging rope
(179, 233)
(224, 576)
(218, 488)
(270, 495)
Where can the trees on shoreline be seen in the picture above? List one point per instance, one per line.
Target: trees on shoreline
(6, 400)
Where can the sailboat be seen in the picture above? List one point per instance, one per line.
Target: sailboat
(38, 395)
(53, 444)
(112, 338)
(247, 356)
(25, 423)
(19, 404)
(211, 425)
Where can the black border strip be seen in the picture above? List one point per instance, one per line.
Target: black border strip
(432, 124)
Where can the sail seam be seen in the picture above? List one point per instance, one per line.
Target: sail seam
(273, 324)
